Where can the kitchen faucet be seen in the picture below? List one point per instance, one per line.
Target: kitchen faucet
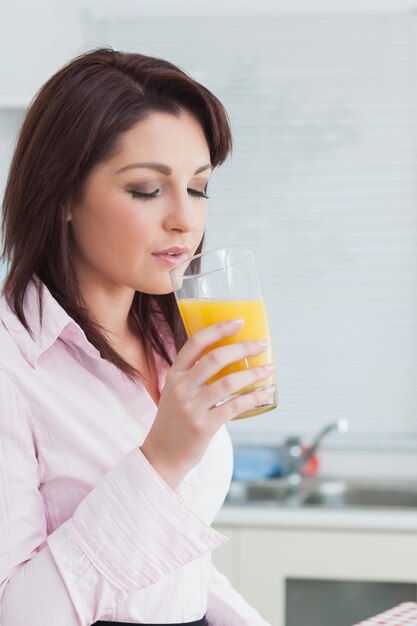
(296, 459)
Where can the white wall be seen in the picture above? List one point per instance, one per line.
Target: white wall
(36, 38)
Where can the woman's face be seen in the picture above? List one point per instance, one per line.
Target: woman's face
(130, 211)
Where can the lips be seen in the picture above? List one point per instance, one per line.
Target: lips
(171, 256)
(173, 250)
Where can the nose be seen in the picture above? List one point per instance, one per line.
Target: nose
(182, 213)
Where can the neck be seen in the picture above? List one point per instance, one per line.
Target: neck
(110, 307)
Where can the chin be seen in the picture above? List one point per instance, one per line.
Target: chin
(156, 290)
(163, 292)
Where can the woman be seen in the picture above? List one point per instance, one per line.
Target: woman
(114, 458)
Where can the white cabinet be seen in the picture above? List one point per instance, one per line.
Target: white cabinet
(259, 560)
(10, 120)
(36, 39)
(226, 558)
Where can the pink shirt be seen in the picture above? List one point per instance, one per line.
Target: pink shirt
(88, 529)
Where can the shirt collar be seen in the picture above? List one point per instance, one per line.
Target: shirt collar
(55, 323)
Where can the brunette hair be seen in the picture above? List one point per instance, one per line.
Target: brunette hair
(74, 123)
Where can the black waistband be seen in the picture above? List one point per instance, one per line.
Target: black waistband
(200, 622)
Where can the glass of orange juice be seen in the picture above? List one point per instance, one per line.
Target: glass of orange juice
(220, 285)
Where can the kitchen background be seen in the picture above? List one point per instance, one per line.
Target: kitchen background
(322, 185)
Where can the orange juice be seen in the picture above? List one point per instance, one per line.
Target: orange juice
(198, 314)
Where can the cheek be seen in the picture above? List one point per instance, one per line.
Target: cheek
(202, 224)
(108, 232)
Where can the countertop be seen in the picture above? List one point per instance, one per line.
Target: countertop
(306, 517)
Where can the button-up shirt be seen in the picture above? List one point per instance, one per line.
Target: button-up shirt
(88, 529)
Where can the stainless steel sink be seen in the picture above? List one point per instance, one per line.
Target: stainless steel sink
(266, 492)
(325, 493)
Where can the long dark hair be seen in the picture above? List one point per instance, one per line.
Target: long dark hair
(73, 124)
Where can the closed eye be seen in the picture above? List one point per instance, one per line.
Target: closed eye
(154, 194)
(197, 194)
(141, 195)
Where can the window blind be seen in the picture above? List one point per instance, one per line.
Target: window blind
(322, 186)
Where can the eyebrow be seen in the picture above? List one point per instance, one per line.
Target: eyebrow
(159, 167)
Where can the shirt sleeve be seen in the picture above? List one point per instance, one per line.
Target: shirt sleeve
(128, 533)
(226, 607)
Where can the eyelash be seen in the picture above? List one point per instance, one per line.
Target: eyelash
(150, 196)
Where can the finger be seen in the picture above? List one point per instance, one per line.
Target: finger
(232, 383)
(203, 339)
(240, 404)
(213, 362)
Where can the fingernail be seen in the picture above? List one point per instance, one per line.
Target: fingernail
(238, 321)
(269, 390)
(270, 367)
(263, 344)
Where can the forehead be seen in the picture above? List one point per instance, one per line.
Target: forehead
(159, 134)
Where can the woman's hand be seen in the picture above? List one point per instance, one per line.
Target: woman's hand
(187, 416)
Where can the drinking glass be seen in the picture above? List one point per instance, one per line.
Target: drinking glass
(220, 285)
